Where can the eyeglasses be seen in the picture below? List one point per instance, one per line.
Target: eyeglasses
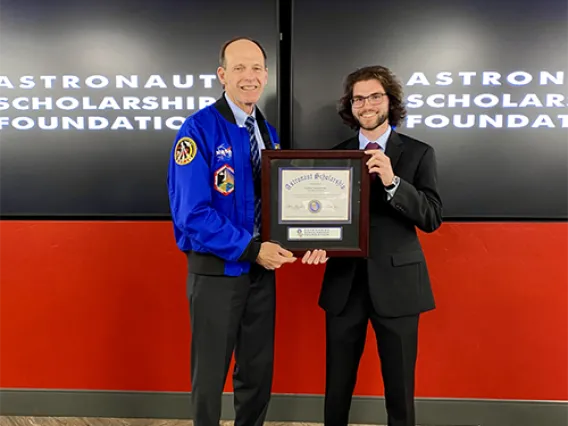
(374, 99)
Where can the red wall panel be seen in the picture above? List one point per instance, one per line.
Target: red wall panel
(101, 305)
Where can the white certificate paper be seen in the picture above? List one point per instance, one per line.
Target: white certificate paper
(315, 195)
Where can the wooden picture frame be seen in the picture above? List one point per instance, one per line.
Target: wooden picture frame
(316, 199)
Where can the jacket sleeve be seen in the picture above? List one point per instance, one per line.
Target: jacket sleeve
(419, 201)
(190, 194)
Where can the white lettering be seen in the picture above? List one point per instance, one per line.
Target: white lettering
(131, 82)
(492, 101)
(27, 82)
(491, 78)
(543, 120)
(28, 123)
(208, 80)
(71, 82)
(519, 78)
(444, 79)
(414, 101)
(467, 76)
(496, 121)
(188, 82)
(484, 121)
(96, 81)
(48, 81)
(418, 78)
(155, 80)
(454, 100)
(5, 82)
(67, 103)
(545, 76)
(437, 121)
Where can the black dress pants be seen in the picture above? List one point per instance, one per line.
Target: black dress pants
(397, 341)
(232, 314)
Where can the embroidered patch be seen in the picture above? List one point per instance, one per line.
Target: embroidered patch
(224, 180)
(185, 151)
(223, 152)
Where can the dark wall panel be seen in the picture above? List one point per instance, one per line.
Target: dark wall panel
(68, 64)
(502, 150)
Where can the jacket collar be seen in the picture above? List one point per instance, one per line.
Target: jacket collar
(223, 107)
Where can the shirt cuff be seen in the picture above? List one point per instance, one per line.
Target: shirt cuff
(391, 192)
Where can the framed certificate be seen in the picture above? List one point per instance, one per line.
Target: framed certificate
(316, 199)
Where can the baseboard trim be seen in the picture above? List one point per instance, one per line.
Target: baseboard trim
(283, 407)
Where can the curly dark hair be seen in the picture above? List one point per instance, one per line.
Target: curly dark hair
(392, 86)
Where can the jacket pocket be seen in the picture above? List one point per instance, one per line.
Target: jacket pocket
(407, 258)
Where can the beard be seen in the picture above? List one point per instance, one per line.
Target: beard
(378, 121)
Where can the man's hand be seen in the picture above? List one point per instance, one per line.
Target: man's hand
(379, 163)
(272, 256)
(315, 258)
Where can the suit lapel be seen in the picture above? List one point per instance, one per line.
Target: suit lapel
(352, 143)
(394, 148)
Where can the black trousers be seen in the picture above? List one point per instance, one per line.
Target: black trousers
(397, 341)
(232, 314)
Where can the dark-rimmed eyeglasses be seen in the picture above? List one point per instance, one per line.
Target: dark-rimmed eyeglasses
(374, 99)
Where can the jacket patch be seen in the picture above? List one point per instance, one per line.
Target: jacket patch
(223, 152)
(185, 151)
(224, 180)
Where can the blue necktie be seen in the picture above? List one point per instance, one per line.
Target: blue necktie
(255, 159)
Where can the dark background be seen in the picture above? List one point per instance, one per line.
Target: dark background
(118, 172)
(483, 173)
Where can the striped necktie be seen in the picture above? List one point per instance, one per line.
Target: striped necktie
(255, 159)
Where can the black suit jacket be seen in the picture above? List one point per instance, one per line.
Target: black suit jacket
(399, 282)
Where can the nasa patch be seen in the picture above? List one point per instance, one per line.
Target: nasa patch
(223, 152)
(224, 180)
(185, 151)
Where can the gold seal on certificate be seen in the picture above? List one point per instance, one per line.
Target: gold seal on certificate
(316, 199)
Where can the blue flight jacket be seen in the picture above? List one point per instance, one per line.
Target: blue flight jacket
(211, 190)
